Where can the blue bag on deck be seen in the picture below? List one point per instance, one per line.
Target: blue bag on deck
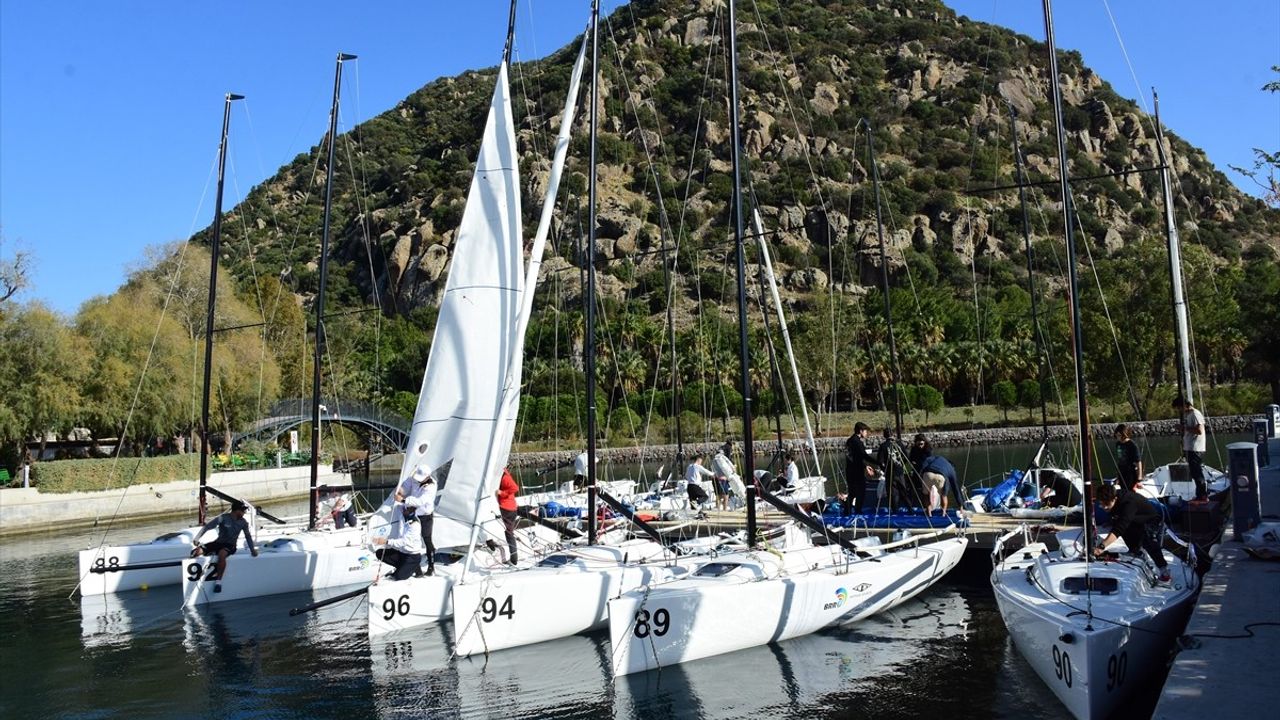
(1000, 494)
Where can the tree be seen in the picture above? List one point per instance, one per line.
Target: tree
(41, 373)
(928, 399)
(1265, 164)
(1029, 395)
(15, 273)
(1006, 396)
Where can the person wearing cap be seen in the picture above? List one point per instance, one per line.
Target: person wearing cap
(404, 551)
(418, 491)
(230, 525)
(1193, 443)
(859, 467)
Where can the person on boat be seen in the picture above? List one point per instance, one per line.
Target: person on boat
(404, 551)
(230, 525)
(889, 458)
(693, 479)
(920, 449)
(859, 467)
(1128, 459)
(939, 475)
(1134, 520)
(725, 473)
(341, 512)
(508, 488)
(1193, 443)
(418, 491)
(790, 471)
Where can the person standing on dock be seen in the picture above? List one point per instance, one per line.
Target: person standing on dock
(230, 525)
(859, 467)
(508, 488)
(1128, 459)
(1193, 443)
(418, 491)
(404, 551)
(725, 473)
(693, 476)
(1135, 521)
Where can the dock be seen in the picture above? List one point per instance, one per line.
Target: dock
(1229, 668)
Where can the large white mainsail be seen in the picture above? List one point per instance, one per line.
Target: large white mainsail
(471, 353)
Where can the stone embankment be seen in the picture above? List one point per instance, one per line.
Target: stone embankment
(941, 438)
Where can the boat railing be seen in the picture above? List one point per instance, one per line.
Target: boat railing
(998, 553)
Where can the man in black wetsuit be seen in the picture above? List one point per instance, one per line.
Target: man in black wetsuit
(859, 467)
(1132, 519)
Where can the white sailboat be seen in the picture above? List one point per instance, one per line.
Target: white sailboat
(1092, 630)
(309, 559)
(748, 598)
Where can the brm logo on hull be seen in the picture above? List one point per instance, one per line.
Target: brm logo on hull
(842, 595)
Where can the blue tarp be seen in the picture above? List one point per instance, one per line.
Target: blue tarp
(1000, 494)
(555, 509)
(902, 519)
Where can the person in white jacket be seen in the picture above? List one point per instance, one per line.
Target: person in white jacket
(404, 551)
(418, 492)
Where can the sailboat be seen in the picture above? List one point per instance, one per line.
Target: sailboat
(1092, 630)
(470, 394)
(119, 568)
(743, 599)
(313, 558)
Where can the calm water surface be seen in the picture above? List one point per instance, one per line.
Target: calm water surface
(140, 654)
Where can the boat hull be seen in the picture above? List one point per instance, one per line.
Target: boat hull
(173, 548)
(307, 561)
(1092, 666)
(771, 601)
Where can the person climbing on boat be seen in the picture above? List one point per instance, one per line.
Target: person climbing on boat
(404, 551)
(508, 488)
(939, 475)
(859, 467)
(230, 525)
(1135, 521)
(693, 475)
(725, 473)
(1193, 443)
(341, 512)
(418, 491)
(1128, 459)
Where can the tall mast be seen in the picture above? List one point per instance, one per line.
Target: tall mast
(748, 449)
(511, 34)
(1181, 326)
(214, 250)
(589, 352)
(1077, 337)
(884, 282)
(324, 276)
(677, 402)
(1031, 276)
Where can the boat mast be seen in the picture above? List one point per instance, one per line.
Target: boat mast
(1077, 337)
(1031, 275)
(511, 35)
(1181, 325)
(589, 351)
(748, 449)
(214, 250)
(888, 313)
(324, 273)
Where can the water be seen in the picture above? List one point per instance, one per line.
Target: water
(140, 654)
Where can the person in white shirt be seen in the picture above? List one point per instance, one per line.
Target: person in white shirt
(404, 551)
(418, 492)
(726, 475)
(1193, 443)
(791, 471)
(693, 476)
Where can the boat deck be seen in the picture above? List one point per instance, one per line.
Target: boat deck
(1232, 677)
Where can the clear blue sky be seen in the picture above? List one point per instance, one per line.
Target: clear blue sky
(109, 112)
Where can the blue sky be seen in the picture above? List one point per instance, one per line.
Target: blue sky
(109, 112)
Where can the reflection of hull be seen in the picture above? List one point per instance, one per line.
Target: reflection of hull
(787, 678)
(743, 600)
(544, 603)
(294, 563)
(114, 619)
(1092, 663)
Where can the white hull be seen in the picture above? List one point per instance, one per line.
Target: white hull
(1091, 665)
(168, 548)
(309, 560)
(765, 598)
(548, 602)
(1174, 481)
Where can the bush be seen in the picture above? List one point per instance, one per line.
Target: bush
(1006, 396)
(61, 476)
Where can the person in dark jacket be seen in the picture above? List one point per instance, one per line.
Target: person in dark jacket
(889, 457)
(1128, 459)
(939, 474)
(1133, 519)
(859, 467)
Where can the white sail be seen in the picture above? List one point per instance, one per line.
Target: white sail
(476, 331)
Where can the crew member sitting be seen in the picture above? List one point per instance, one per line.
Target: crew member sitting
(230, 525)
(404, 551)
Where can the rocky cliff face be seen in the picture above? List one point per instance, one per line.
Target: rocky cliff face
(937, 92)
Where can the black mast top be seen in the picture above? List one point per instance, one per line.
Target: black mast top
(748, 449)
(324, 275)
(589, 351)
(511, 34)
(1077, 337)
(884, 283)
(214, 250)
(1041, 352)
